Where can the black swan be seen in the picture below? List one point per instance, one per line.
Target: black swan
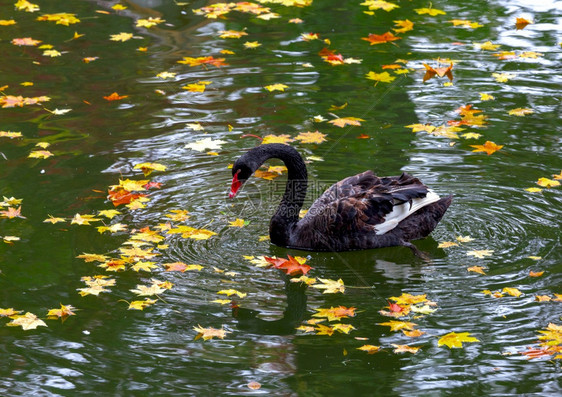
(358, 212)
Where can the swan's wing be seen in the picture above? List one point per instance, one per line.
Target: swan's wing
(373, 204)
(348, 187)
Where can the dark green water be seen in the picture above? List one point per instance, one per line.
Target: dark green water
(110, 350)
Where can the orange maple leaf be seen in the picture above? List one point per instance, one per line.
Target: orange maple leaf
(12, 213)
(115, 97)
(520, 23)
(489, 147)
(122, 196)
(441, 72)
(380, 38)
(290, 266)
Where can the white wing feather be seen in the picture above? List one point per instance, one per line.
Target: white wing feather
(402, 211)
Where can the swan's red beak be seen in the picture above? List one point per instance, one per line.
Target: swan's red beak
(235, 186)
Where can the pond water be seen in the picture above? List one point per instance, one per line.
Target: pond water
(108, 349)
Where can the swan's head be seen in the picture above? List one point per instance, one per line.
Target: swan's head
(240, 174)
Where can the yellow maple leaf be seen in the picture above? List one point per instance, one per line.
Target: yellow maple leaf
(276, 87)
(476, 269)
(64, 311)
(429, 11)
(230, 292)
(27, 321)
(140, 305)
(144, 266)
(330, 286)
(520, 112)
(480, 253)
(471, 135)
(413, 334)
(9, 312)
(53, 220)
(399, 325)
(486, 97)
(488, 45)
(231, 34)
(383, 77)
(24, 5)
(149, 22)
(343, 121)
(252, 44)
(447, 244)
(276, 139)
(403, 25)
(60, 18)
(40, 154)
(455, 340)
(512, 291)
(409, 299)
(311, 137)
(370, 349)
(548, 183)
(237, 223)
(121, 37)
(502, 77)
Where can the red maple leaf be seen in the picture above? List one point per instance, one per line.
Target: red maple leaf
(290, 266)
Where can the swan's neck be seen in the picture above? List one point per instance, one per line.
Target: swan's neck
(287, 214)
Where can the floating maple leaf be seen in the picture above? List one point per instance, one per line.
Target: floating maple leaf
(343, 121)
(335, 313)
(380, 38)
(207, 143)
(60, 18)
(489, 147)
(455, 340)
(429, 11)
(502, 77)
(149, 22)
(370, 349)
(218, 62)
(291, 266)
(441, 72)
(311, 137)
(405, 349)
(330, 286)
(121, 37)
(383, 77)
(27, 321)
(64, 311)
(548, 183)
(115, 97)
(480, 253)
(210, 333)
(12, 213)
(284, 138)
(520, 112)
(276, 87)
(25, 41)
(520, 23)
(230, 292)
(399, 325)
(476, 269)
(148, 168)
(141, 305)
(404, 26)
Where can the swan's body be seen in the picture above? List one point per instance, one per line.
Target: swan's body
(359, 212)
